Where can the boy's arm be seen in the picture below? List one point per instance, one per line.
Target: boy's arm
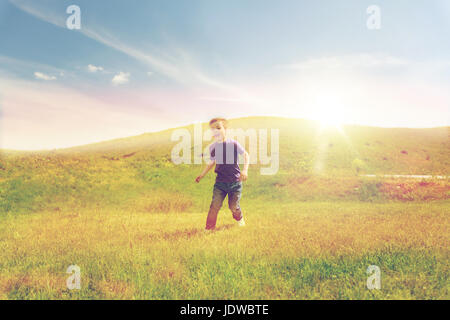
(244, 172)
(205, 171)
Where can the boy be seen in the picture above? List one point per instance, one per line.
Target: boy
(224, 155)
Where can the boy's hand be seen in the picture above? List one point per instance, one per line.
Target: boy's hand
(243, 176)
(205, 171)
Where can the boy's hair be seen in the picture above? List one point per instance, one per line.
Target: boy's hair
(224, 121)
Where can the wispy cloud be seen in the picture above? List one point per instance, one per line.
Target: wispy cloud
(121, 78)
(243, 100)
(25, 66)
(43, 76)
(362, 60)
(180, 68)
(38, 115)
(30, 8)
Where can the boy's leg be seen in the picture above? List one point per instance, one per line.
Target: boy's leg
(234, 195)
(216, 204)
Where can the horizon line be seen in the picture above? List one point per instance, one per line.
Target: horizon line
(193, 123)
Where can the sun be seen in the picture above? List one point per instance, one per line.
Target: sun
(328, 111)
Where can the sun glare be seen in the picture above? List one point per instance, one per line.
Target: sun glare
(330, 120)
(329, 112)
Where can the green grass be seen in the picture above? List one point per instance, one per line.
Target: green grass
(134, 224)
(316, 250)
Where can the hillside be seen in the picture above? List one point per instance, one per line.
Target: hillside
(314, 163)
(133, 221)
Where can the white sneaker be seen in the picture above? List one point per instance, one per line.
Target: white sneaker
(241, 223)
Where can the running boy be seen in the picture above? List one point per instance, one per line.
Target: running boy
(224, 154)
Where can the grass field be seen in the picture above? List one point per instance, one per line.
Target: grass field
(133, 221)
(292, 251)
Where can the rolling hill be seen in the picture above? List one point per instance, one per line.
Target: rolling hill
(133, 221)
(314, 163)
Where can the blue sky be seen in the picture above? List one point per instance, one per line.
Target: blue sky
(140, 66)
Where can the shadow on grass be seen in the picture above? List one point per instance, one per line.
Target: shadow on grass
(190, 233)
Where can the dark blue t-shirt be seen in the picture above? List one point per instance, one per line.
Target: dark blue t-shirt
(226, 155)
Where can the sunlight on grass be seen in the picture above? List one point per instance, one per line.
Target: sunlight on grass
(133, 221)
(318, 250)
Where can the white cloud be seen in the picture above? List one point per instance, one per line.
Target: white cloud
(121, 78)
(150, 73)
(43, 76)
(353, 61)
(24, 65)
(93, 69)
(179, 67)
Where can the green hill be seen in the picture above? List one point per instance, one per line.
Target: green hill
(133, 221)
(314, 163)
